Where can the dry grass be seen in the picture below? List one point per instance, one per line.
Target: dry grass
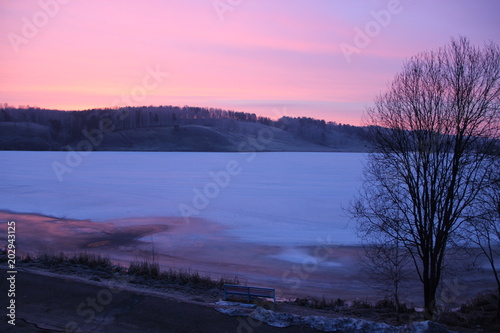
(151, 269)
(146, 268)
(479, 312)
(91, 260)
(382, 311)
(357, 304)
(315, 303)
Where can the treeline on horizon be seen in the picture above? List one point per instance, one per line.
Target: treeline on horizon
(66, 127)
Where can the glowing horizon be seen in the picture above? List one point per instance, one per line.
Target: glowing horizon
(272, 58)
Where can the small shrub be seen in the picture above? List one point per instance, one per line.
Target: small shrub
(225, 280)
(92, 260)
(144, 268)
(483, 302)
(184, 277)
(391, 305)
(302, 302)
(28, 258)
(52, 259)
(339, 302)
(359, 304)
(315, 303)
(385, 304)
(481, 311)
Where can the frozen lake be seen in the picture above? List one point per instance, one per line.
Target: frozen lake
(264, 198)
(272, 219)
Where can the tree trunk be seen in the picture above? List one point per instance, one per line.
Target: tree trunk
(430, 287)
(498, 304)
(396, 297)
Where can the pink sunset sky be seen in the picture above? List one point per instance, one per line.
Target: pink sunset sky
(270, 57)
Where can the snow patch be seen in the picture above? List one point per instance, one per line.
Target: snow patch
(232, 311)
(296, 256)
(242, 305)
(324, 324)
(340, 324)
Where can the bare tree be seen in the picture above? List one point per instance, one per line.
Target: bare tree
(432, 137)
(483, 228)
(386, 263)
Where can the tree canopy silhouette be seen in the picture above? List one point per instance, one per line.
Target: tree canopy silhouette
(433, 136)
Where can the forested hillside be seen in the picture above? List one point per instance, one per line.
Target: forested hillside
(169, 128)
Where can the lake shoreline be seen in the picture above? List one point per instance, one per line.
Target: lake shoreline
(54, 297)
(325, 270)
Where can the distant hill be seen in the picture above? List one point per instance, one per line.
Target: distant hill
(168, 128)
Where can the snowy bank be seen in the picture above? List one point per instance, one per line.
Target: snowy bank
(326, 324)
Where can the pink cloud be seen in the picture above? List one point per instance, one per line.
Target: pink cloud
(92, 52)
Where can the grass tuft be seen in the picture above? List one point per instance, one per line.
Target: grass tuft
(92, 260)
(315, 303)
(53, 259)
(144, 268)
(151, 269)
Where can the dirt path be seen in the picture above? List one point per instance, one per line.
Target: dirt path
(56, 304)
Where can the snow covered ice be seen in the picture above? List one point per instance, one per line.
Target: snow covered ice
(275, 198)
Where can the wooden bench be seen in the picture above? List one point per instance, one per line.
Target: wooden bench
(231, 289)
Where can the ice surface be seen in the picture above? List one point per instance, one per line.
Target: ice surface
(297, 256)
(266, 198)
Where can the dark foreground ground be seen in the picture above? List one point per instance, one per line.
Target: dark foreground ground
(62, 299)
(55, 304)
(67, 297)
